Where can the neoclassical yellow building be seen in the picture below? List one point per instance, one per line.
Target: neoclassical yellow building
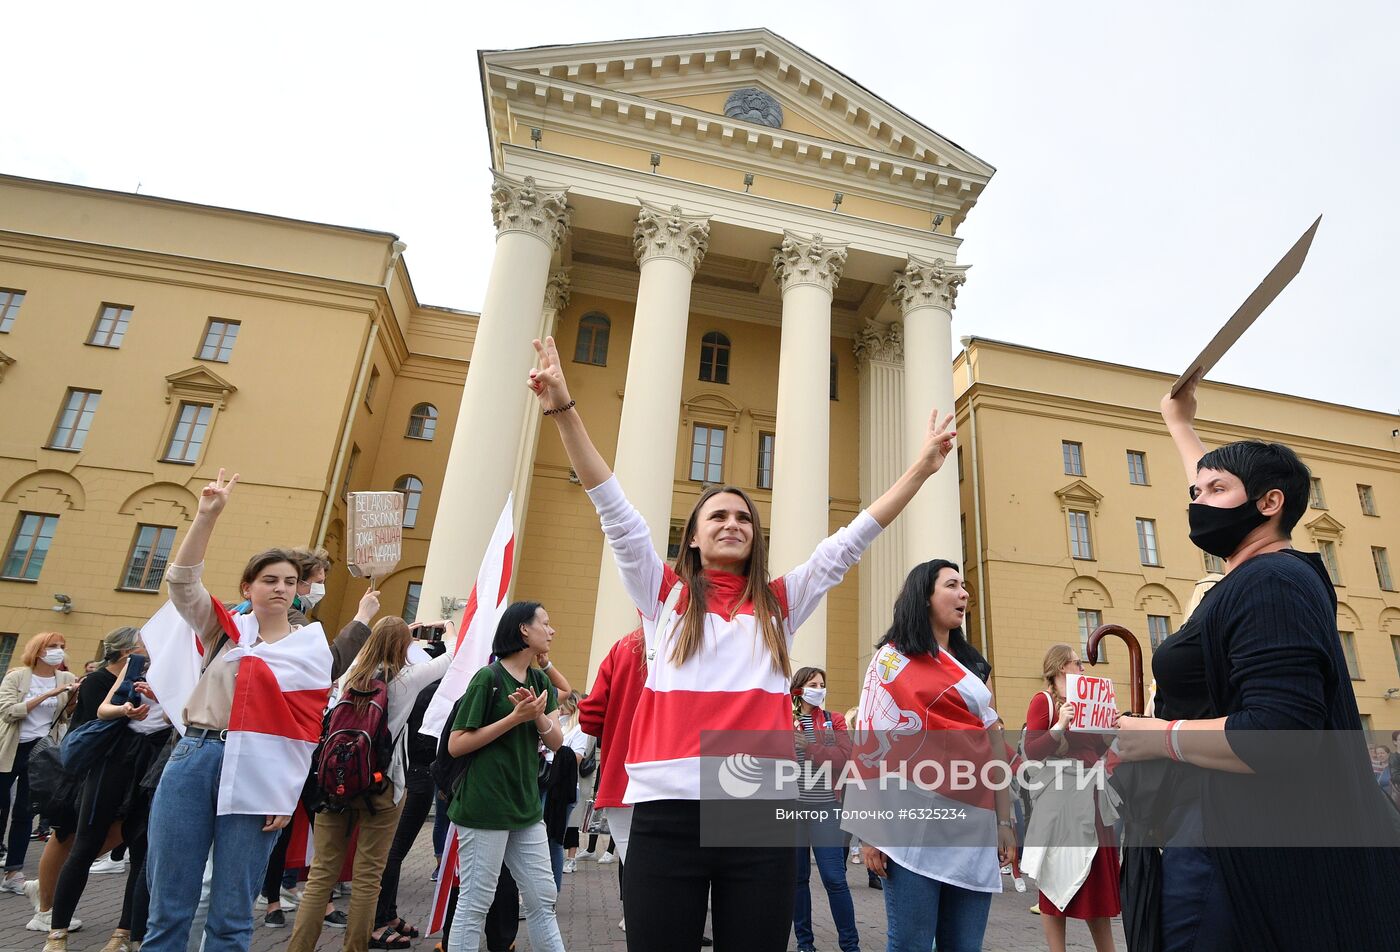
(749, 262)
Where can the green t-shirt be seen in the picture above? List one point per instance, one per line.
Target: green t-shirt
(501, 788)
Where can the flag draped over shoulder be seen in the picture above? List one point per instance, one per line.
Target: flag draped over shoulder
(484, 608)
(278, 700)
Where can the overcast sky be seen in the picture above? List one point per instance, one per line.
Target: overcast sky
(1154, 161)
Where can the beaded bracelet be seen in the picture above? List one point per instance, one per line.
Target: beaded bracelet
(567, 406)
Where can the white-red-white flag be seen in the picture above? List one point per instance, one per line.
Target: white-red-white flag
(484, 608)
(446, 880)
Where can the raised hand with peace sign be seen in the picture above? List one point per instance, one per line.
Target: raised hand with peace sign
(214, 496)
(547, 383)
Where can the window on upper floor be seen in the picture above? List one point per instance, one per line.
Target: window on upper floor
(1137, 468)
(1215, 563)
(1368, 500)
(1080, 544)
(1147, 542)
(410, 602)
(1382, 562)
(70, 430)
(767, 443)
(592, 346)
(219, 336)
(707, 454)
(834, 368)
(1074, 457)
(371, 388)
(714, 358)
(1315, 498)
(1328, 551)
(1349, 652)
(412, 489)
(1090, 620)
(10, 301)
(422, 422)
(187, 438)
(110, 327)
(1158, 627)
(29, 546)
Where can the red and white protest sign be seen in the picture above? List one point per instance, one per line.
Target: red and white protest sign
(1095, 704)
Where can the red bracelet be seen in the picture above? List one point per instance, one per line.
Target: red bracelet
(1171, 748)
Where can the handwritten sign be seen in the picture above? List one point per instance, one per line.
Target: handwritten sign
(376, 533)
(1095, 704)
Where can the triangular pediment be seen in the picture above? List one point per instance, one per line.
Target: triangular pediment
(1324, 526)
(696, 73)
(198, 383)
(1079, 495)
(5, 361)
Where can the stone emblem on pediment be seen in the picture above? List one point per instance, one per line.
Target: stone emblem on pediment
(751, 104)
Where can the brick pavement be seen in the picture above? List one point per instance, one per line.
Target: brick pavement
(588, 914)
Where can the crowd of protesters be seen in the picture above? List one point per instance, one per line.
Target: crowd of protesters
(228, 752)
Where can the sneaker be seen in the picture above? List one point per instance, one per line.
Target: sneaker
(42, 921)
(289, 897)
(570, 865)
(622, 923)
(855, 857)
(874, 883)
(106, 865)
(337, 920)
(13, 884)
(1036, 909)
(276, 919)
(606, 858)
(585, 854)
(41, 835)
(432, 877)
(1006, 870)
(1019, 883)
(119, 942)
(31, 891)
(56, 942)
(706, 942)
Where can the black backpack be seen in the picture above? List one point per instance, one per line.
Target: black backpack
(447, 771)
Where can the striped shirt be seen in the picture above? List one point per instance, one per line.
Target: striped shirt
(815, 787)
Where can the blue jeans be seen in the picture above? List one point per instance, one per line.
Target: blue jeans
(823, 837)
(480, 854)
(440, 825)
(920, 910)
(1195, 909)
(183, 828)
(22, 818)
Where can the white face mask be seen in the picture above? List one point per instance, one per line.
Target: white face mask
(54, 656)
(309, 600)
(814, 696)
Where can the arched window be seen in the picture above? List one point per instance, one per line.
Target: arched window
(714, 358)
(412, 489)
(422, 422)
(592, 346)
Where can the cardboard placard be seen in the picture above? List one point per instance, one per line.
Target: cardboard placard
(375, 533)
(1095, 704)
(1276, 280)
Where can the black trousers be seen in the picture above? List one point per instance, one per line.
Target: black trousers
(276, 866)
(418, 798)
(502, 919)
(104, 794)
(670, 876)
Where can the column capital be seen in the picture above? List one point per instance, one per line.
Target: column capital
(522, 205)
(670, 233)
(928, 284)
(803, 260)
(878, 341)
(556, 290)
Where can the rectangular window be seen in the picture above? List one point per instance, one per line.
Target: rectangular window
(1215, 564)
(962, 523)
(410, 602)
(1368, 500)
(707, 454)
(1395, 649)
(1158, 627)
(1137, 468)
(8, 640)
(1315, 498)
(111, 325)
(673, 541)
(766, 444)
(218, 340)
(1147, 542)
(1089, 622)
(960, 463)
(1328, 551)
(1074, 458)
(74, 421)
(10, 300)
(150, 551)
(1080, 546)
(29, 546)
(350, 466)
(1349, 650)
(1383, 576)
(833, 376)
(371, 387)
(187, 439)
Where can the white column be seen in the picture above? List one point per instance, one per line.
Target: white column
(669, 246)
(879, 351)
(556, 298)
(926, 293)
(481, 468)
(808, 270)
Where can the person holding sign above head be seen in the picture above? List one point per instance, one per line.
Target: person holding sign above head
(718, 634)
(1050, 735)
(1251, 689)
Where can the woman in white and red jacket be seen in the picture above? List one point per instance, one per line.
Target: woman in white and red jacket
(823, 747)
(718, 635)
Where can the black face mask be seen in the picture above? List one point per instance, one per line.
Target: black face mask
(1220, 531)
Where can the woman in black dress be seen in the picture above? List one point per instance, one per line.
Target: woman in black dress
(1260, 656)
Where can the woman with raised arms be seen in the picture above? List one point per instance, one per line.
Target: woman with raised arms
(718, 633)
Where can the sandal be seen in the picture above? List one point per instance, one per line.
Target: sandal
(403, 928)
(388, 939)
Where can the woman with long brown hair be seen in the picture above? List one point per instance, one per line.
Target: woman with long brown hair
(384, 658)
(718, 634)
(1048, 737)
